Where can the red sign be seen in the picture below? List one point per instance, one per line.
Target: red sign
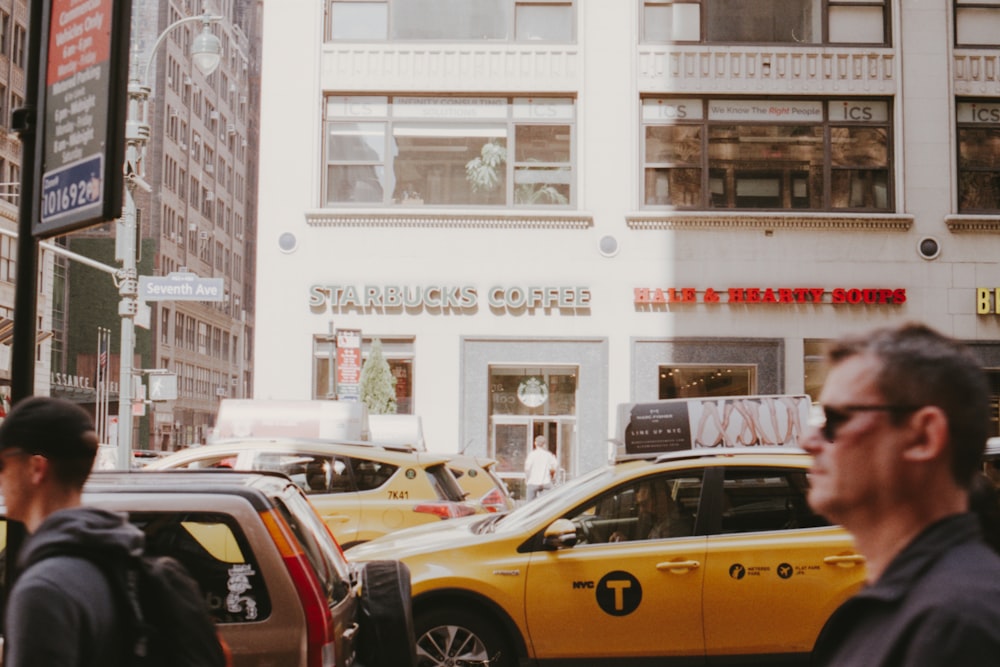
(657, 296)
(348, 362)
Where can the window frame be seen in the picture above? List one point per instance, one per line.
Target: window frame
(824, 40)
(974, 5)
(382, 111)
(960, 126)
(511, 29)
(702, 117)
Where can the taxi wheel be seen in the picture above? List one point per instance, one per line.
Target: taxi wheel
(460, 637)
(386, 636)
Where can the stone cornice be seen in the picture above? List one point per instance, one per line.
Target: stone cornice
(744, 220)
(502, 219)
(973, 223)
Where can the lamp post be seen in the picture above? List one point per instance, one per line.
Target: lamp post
(206, 52)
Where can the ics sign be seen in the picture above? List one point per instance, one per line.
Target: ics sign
(181, 286)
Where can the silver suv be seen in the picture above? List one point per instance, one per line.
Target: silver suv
(275, 579)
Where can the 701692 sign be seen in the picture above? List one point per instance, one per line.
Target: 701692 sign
(75, 187)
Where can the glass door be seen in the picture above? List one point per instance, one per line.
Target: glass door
(525, 402)
(512, 438)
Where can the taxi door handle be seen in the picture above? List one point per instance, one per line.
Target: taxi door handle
(678, 566)
(849, 560)
(339, 518)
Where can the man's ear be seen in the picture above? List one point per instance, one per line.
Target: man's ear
(929, 429)
(38, 468)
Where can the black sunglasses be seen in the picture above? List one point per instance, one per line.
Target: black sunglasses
(836, 416)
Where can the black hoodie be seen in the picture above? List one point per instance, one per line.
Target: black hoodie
(60, 612)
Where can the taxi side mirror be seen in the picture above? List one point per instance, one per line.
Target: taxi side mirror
(560, 534)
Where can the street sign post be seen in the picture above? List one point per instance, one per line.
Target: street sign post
(84, 114)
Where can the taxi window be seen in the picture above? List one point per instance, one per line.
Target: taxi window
(766, 499)
(214, 549)
(370, 475)
(313, 473)
(650, 508)
(227, 460)
(444, 482)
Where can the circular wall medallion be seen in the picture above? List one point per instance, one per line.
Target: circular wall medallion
(287, 242)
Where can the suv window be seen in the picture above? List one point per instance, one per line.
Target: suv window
(646, 509)
(370, 475)
(757, 500)
(318, 544)
(216, 552)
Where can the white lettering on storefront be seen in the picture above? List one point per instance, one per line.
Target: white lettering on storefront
(447, 298)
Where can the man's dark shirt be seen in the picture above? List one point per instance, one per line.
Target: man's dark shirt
(937, 604)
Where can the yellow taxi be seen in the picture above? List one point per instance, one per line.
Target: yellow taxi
(697, 555)
(360, 489)
(480, 482)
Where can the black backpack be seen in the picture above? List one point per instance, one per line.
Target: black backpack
(169, 621)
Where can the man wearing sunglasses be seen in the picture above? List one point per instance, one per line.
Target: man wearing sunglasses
(907, 413)
(61, 609)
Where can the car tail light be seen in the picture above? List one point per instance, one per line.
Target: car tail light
(494, 501)
(445, 509)
(320, 646)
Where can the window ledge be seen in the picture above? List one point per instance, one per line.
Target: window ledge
(502, 219)
(744, 220)
(973, 223)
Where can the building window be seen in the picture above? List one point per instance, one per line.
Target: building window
(793, 22)
(978, 157)
(449, 151)
(767, 154)
(693, 381)
(179, 330)
(8, 259)
(165, 326)
(397, 350)
(17, 55)
(453, 20)
(977, 23)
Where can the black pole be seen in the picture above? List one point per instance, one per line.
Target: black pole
(22, 364)
(25, 123)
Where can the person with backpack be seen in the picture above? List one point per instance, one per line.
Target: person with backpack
(73, 602)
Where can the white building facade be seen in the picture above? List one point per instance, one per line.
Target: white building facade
(544, 209)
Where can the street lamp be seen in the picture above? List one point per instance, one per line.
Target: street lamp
(206, 52)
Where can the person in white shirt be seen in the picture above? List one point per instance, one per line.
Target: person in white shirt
(539, 468)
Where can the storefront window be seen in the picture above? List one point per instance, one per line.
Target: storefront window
(815, 367)
(678, 381)
(795, 22)
(993, 376)
(978, 157)
(398, 352)
(497, 20)
(780, 155)
(526, 402)
(449, 151)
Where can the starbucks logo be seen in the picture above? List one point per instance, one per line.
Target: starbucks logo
(532, 392)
